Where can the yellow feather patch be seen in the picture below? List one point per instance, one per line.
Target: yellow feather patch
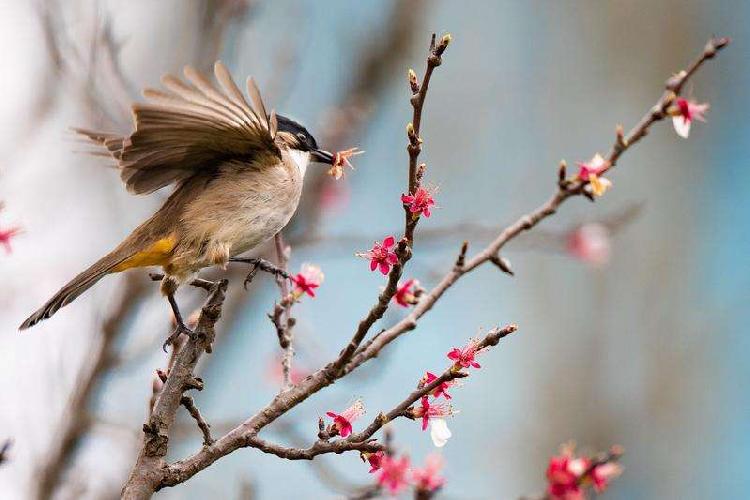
(156, 255)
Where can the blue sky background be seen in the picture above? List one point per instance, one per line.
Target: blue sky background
(649, 352)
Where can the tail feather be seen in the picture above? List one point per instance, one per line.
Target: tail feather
(74, 288)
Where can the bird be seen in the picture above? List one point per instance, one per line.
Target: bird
(238, 174)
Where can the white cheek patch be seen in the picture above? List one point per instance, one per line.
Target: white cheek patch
(301, 158)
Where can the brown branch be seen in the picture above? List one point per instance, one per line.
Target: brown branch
(282, 316)
(403, 251)
(528, 221)
(146, 475)
(419, 94)
(189, 404)
(76, 422)
(362, 441)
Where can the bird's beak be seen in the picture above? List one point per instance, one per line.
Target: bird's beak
(322, 156)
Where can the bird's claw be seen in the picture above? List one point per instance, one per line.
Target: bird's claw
(250, 276)
(172, 339)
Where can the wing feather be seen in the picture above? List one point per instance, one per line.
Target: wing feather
(189, 128)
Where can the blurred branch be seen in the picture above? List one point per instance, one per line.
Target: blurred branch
(76, 422)
(377, 62)
(4, 450)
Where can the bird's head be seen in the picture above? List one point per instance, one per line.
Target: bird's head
(302, 145)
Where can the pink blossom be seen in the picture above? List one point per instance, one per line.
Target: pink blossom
(428, 478)
(427, 411)
(382, 255)
(307, 280)
(406, 293)
(343, 421)
(590, 243)
(564, 476)
(465, 357)
(602, 474)
(684, 112)
(394, 473)
(441, 389)
(6, 235)
(374, 459)
(590, 172)
(419, 203)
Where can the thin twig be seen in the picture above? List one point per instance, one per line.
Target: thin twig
(189, 404)
(528, 221)
(282, 316)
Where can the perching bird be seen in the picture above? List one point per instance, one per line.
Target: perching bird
(238, 172)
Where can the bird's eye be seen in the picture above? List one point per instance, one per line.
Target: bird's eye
(301, 137)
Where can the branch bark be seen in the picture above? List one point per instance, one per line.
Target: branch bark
(145, 478)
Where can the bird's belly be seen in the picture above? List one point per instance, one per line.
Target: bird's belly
(255, 223)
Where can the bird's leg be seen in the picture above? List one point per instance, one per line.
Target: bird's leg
(169, 286)
(181, 326)
(257, 264)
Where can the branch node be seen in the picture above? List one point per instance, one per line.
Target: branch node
(461, 260)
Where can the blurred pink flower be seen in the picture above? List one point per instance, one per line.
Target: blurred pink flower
(307, 280)
(343, 422)
(420, 202)
(6, 235)
(334, 196)
(381, 255)
(567, 475)
(590, 243)
(683, 114)
(428, 479)
(275, 373)
(465, 357)
(602, 474)
(564, 475)
(374, 459)
(405, 294)
(394, 473)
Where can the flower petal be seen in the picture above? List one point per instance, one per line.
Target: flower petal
(389, 242)
(681, 126)
(439, 432)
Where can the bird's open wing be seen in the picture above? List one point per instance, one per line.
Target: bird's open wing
(190, 127)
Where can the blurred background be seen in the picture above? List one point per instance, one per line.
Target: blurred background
(632, 331)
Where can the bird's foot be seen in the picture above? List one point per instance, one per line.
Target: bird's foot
(175, 335)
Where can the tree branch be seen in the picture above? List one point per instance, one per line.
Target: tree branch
(528, 221)
(146, 475)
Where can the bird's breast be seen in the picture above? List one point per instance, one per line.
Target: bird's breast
(245, 208)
